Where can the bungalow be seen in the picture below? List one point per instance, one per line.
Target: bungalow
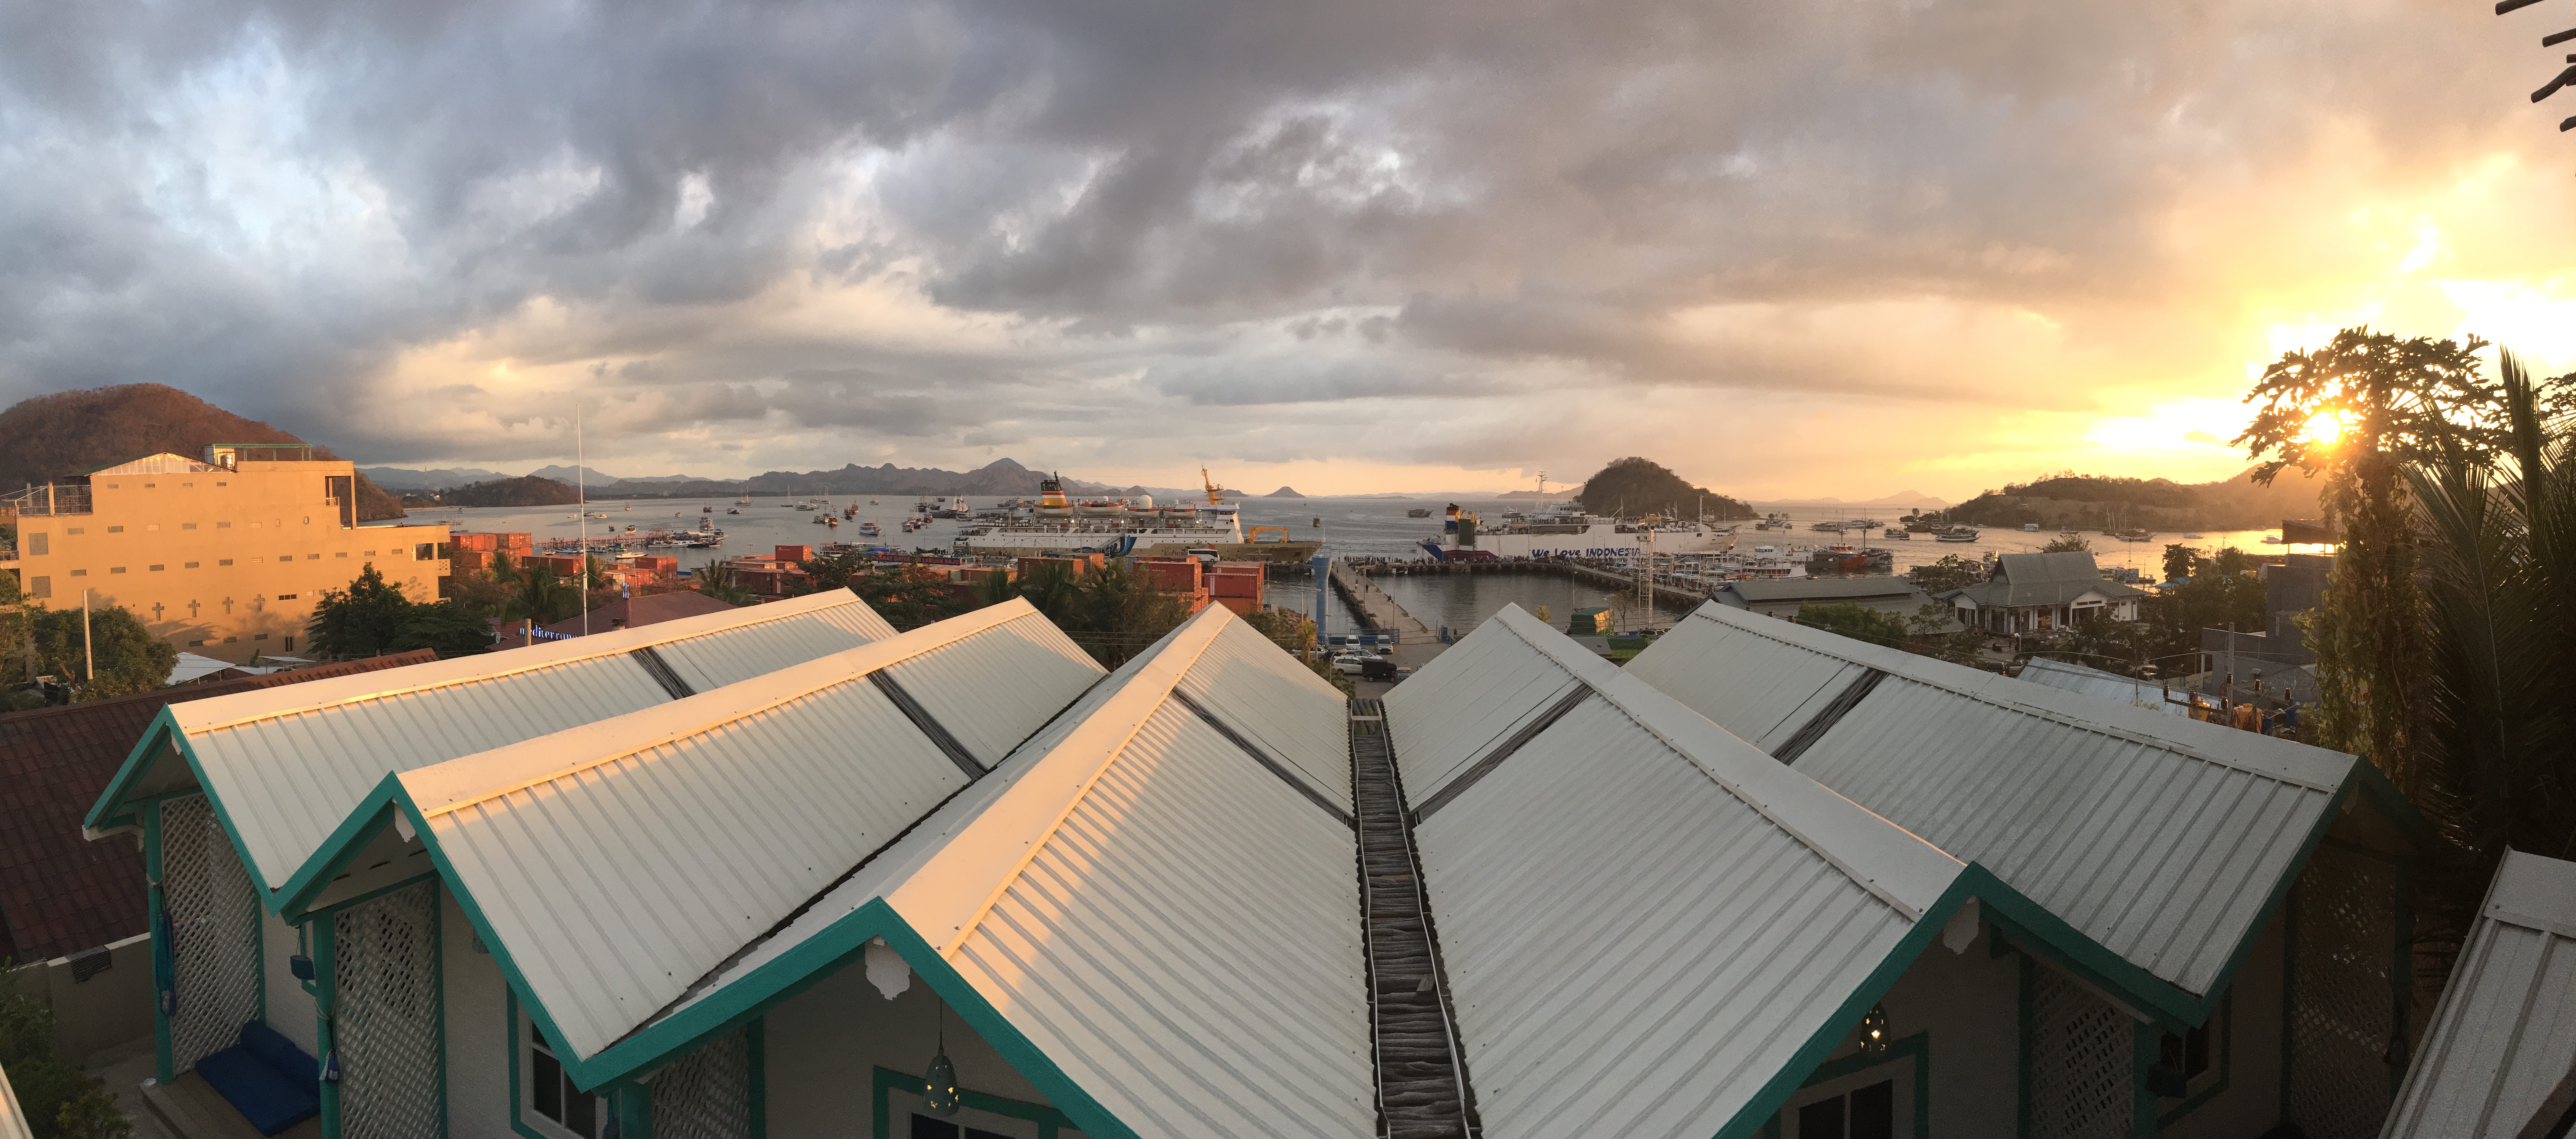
(958, 882)
(2500, 1059)
(2034, 593)
(2244, 895)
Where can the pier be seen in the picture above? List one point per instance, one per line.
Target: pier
(1416, 642)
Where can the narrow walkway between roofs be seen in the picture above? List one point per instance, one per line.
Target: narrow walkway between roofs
(1423, 1092)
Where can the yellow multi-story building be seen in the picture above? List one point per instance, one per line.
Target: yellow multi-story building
(222, 556)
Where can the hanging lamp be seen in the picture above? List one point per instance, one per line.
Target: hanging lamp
(939, 1084)
(1873, 1031)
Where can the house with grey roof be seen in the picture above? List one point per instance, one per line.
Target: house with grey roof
(2035, 593)
(2500, 1059)
(1783, 596)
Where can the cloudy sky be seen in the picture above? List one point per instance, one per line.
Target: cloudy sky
(1835, 247)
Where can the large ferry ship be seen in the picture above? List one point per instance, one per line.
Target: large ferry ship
(1109, 526)
(1565, 531)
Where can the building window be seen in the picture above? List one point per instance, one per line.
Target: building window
(223, 525)
(116, 529)
(286, 597)
(76, 530)
(192, 565)
(1867, 1112)
(255, 637)
(424, 551)
(40, 587)
(80, 573)
(157, 569)
(196, 644)
(546, 1092)
(342, 554)
(225, 562)
(38, 544)
(151, 486)
(187, 525)
(224, 484)
(190, 484)
(312, 557)
(116, 569)
(370, 553)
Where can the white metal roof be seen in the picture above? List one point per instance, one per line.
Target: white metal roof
(1643, 918)
(2160, 838)
(1174, 924)
(621, 861)
(2076, 678)
(2504, 1035)
(1278, 704)
(1467, 701)
(289, 764)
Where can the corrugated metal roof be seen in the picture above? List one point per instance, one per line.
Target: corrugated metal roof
(715, 659)
(2043, 579)
(1278, 703)
(1769, 689)
(1644, 918)
(2160, 838)
(992, 692)
(2504, 1035)
(1092, 888)
(1822, 588)
(684, 832)
(288, 765)
(2094, 682)
(1468, 700)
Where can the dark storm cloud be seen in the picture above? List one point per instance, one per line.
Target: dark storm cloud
(272, 203)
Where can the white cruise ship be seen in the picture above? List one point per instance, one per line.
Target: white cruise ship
(1565, 531)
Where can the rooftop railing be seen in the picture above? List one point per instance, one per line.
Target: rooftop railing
(49, 499)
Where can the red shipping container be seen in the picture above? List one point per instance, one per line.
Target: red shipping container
(795, 553)
(1242, 606)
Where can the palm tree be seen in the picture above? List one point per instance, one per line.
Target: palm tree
(2498, 573)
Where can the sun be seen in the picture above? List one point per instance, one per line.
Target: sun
(2323, 428)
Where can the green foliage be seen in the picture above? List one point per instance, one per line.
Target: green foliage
(528, 490)
(2180, 561)
(374, 617)
(1857, 621)
(1951, 572)
(1634, 487)
(2067, 544)
(61, 1100)
(1112, 612)
(360, 621)
(2407, 400)
(907, 596)
(717, 580)
(130, 659)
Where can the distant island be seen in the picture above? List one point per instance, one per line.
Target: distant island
(2094, 502)
(1635, 486)
(1284, 492)
(526, 490)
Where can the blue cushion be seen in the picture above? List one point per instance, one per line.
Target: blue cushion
(275, 1050)
(271, 1102)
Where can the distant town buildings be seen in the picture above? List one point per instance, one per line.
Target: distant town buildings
(223, 555)
(2035, 593)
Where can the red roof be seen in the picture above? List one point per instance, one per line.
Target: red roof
(649, 609)
(60, 893)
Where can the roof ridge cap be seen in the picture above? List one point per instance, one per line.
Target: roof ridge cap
(607, 741)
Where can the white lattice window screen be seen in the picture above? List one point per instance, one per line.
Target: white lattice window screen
(707, 1093)
(2080, 1062)
(2340, 1006)
(386, 1018)
(214, 932)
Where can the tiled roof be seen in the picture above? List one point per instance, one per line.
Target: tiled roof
(58, 893)
(650, 609)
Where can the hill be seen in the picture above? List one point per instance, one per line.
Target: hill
(1001, 477)
(1634, 486)
(526, 490)
(55, 436)
(1284, 492)
(2099, 501)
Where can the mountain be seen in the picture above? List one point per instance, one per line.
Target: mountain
(54, 436)
(405, 478)
(1636, 486)
(1284, 492)
(2096, 501)
(527, 490)
(1912, 498)
(1001, 477)
(598, 477)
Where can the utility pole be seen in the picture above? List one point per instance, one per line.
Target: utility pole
(89, 655)
(581, 491)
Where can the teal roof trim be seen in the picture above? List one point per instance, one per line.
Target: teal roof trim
(775, 981)
(116, 801)
(368, 820)
(107, 812)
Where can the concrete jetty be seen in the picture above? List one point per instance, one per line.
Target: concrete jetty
(1416, 642)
